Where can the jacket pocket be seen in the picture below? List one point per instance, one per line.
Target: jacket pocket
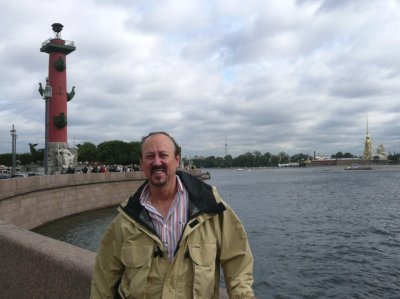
(136, 255)
(203, 258)
(137, 262)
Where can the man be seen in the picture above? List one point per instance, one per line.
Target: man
(171, 237)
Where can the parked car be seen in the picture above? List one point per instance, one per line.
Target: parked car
(19, 175)
(4, 176)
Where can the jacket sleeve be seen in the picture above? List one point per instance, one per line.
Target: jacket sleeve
(236, 257)
(108, 267)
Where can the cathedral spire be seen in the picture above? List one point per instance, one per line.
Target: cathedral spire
(367, 144)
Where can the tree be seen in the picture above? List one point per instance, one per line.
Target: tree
(87, 152)
(240, 161)
(210, 162)
(339, 155)
(257, 158)
(267, 158)
(347, 155)
(134, 152)
(299, 158)
(249, 158)
(275, 160)
(114, 152)
(6, 159)
(394, 158)
(25, 158)
(228, 161)
(284, 158)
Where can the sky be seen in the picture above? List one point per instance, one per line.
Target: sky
(299, 76)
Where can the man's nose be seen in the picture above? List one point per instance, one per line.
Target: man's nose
(157, 160)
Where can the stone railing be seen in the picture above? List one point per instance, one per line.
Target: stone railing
(34, 266)
(33, 201)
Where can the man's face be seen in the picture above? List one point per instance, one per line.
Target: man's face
(158, 160)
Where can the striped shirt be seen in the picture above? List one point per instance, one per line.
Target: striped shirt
(169, 229)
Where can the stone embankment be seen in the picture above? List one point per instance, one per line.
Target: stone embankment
(33, 201)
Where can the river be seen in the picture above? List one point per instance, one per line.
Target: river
(315, 232)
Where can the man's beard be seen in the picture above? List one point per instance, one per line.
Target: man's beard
(155, 181)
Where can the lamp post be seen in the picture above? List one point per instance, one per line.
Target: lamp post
(47, 94)
(14, 149)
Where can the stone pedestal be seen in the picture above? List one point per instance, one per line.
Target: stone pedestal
(61, 157)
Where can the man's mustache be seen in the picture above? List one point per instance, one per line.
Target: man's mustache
(155, 168)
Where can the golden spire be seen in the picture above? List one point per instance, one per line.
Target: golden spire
(367, 144)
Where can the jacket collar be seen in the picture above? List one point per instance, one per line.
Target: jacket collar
(201, 200)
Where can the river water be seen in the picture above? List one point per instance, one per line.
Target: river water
(314, 232)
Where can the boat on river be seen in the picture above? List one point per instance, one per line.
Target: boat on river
(359, 167)
(205, 175)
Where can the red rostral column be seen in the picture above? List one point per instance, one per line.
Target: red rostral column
(58, 49)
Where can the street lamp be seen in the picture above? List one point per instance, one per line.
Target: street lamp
(14, 148)
(47, 94)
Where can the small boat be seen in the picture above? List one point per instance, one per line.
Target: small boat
(205, 175)
(358, 167)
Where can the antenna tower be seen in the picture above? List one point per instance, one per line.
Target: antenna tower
(226, 145)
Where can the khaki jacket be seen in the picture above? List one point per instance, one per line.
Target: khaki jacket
(131, 260)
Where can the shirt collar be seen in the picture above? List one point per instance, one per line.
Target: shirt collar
(145, 195)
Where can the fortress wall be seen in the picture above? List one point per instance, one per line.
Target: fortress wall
(33, 201)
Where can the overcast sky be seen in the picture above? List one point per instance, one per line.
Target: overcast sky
(288, 75)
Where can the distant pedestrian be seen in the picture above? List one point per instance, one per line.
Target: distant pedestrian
(70, 170)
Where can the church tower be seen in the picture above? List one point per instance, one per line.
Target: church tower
(367, 145)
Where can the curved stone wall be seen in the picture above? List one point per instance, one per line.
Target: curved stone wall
(33, 201)
(35, 266)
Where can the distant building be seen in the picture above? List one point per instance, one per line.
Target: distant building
(380, 153)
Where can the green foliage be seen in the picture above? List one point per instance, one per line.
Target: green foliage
(87, 152)
(134, 151)
(348, 155)
(275, 160)
(228, 161)
(22, 159)
(340, 155)
(126, 153)
(283, 158)
(299, 158)
(394, 158)
(255, 159)
(118, 152)
(6, 159)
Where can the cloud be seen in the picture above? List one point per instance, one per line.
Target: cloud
(294, 76)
